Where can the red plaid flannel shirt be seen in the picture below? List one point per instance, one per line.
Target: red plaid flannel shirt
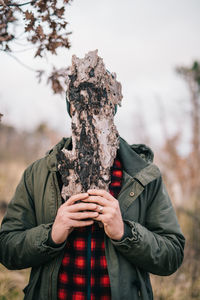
(83, 273)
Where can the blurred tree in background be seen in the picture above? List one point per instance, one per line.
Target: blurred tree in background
(40, 25)
(192, 165)
(181, 173)
(17, 150)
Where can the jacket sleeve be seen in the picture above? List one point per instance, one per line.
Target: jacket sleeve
(23, 243)
(158, 246)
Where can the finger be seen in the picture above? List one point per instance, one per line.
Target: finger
(105, 213)
(103, 218)
(83, 215)
(82, 206)
(98, 200)
(103, 209)
(75, 198)
(82, 223)
(100, 209)
(101, 193)
(100, 218)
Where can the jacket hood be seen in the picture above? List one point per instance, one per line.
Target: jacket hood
(132, 157)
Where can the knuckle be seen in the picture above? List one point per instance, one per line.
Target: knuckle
(71, 198)
(113, 210)
(115, 205)
(108, 217)
(106, 221)
(93, 206)
(105, 193)
(60, 208)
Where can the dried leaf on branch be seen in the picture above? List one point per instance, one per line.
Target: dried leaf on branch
(42, 24)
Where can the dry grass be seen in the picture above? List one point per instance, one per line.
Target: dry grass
(184, 284)
(12, 283)
(10, 174)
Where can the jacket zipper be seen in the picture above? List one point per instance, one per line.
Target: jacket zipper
(53, 267)
(50, 281)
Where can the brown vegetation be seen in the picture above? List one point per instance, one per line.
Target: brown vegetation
(17, 150)
(42, 24)
(181, 174)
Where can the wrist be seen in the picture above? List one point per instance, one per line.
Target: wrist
(59, 237)
(127, 232)
(119, 236)
(56, 240)
(52, 243)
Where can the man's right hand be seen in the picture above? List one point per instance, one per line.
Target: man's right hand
(72, 214)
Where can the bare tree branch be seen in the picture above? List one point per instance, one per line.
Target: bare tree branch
(190, 214)
(21, 63)
(18, 5)
(43, 26)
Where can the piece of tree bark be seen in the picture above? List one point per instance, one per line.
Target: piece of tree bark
(93, 94)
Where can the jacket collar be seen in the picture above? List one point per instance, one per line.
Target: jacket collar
(51, 158)
(132, 163)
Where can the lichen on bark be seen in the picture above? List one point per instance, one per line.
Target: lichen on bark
(93, 94)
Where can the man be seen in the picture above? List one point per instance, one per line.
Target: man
(99, 243)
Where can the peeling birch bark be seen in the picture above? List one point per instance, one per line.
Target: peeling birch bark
(93, 93)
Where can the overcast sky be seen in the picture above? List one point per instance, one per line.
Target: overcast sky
(142, 41)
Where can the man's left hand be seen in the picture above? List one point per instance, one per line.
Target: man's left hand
(109, 212)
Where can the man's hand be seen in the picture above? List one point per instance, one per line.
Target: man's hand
(71, 215)
(109, 213)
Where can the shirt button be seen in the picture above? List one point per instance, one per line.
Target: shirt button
(132, 194)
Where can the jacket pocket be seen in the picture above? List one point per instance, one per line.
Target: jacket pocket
(128, 196)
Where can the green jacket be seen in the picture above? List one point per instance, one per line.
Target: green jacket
(155, 245)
